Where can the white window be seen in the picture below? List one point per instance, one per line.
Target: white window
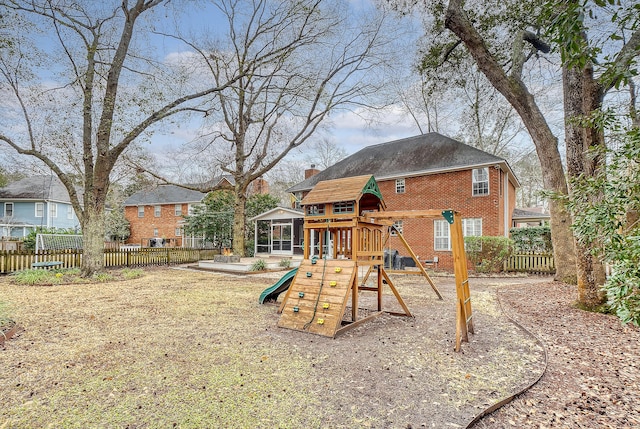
(53, 210)
(155, 232)
(398, 228)
(8, 209)
(178, 232)
(69, 212)
(156, 211)
(400, 188)
(441, 235)
(140, 211)
(472, 227)
(442, 239)
(190, 209)
(480, 181)
(178, 210)
(39, 209)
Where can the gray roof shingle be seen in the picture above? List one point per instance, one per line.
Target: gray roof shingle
(421, 154)
(36, 188)
(164, 194)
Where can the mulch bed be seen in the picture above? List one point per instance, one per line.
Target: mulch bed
(593, 373)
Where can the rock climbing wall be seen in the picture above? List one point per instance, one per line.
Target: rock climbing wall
(318, 296)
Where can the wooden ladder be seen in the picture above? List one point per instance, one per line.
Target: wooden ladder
(464, 314)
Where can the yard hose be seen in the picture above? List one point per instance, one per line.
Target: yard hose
(510, 398)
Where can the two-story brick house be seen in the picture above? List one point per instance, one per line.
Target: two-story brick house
(428, 171)
(157, 215)
(35, 201)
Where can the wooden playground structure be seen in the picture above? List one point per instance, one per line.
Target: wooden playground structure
(346, 228)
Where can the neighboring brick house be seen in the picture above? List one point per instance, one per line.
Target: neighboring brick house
(158, 214)
(35, 201)
(430, 171)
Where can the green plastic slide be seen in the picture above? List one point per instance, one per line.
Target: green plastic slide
(271, 293)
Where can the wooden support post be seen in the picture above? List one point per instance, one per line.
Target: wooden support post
(464, 314)
(418, 264)
(395, 292)
(354, 297)
(307, 242)
(379, 287)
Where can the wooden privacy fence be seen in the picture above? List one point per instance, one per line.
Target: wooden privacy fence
(11, 261)
(531, 263)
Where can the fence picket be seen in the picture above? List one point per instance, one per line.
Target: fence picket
(533, 263)
(18, 260)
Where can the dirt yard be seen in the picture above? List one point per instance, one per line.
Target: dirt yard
(191, 349)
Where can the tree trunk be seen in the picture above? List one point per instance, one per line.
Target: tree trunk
(239, 221)
(546, 143)
(93, 228)
(583, 96)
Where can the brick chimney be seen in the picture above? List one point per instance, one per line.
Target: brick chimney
(258, 187)
(309, 172)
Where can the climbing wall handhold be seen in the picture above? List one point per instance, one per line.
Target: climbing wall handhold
(320, 321)
(296, 309)
(309, 273)
(325, 305)
(338, 269)
(300, 294)
(333, 283)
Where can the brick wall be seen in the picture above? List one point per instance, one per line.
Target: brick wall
(452, 190)
(142, 228)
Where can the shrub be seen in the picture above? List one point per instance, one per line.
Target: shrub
(536, 239)
(249, 250)
(259, 265)
(285, 262)
(487, 254)
(36, 277)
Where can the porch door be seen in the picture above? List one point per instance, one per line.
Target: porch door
(281, 239)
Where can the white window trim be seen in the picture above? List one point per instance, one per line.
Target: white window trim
(70, 212)
(465, 224)
(155, 232)
(401, 186)
(399, 226)
(474, 182)
(157, 211)
(41, 205)
(178, 209)
(140, 212)
(178, 232)
(436, 237)
(13, 207)
(472, 223)
(53, 210)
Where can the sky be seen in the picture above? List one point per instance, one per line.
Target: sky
(350, 129)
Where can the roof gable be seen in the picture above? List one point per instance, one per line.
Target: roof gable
(421, 154)
(345, 189)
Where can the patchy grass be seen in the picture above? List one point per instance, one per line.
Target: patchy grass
(5, 314)
(71, 276)
(191, 349)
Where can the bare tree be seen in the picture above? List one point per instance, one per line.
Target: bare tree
(86, 99)
(298, 62)
(325, 152)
